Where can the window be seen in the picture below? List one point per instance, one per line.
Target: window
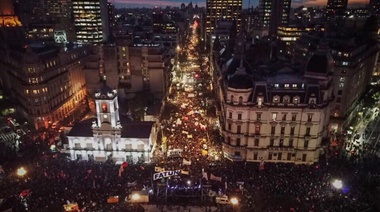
(294, 85)
(306, 143)
(338, 100)
(230, 115)
(296, 100)
(281, 142)
(271, 142)
(104, 108)
(340, 92)
(345, 63)
(309, 117)
(239, 116)
(238, 129)
(257, 142)
(272, 130)
(291, 142)
(307, 130)
(238, 142)
(284, 116)
(258, 115)
(257, 129)
(237, 153)
(276, 85)
(294, 116)
(286, 100)
(274, 116)
(229, 126)
(232, 99)
(229, 140)
(240, 100)
(276, 99)
(260, 101)
(286, 86)
(312, 100)
(292, 130)
(282, 130)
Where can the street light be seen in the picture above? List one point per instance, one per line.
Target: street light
(234, 201)
(21, 172)
(135, 197)
(338, 184)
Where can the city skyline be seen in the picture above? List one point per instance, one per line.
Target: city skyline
(202, 3)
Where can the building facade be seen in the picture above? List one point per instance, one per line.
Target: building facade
(48, 83)
(274, 115)
(132, 68)
(91, 21)
(110, 136)
(222, 10)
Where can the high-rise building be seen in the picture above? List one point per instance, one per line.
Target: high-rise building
(273, 14)
(335, 8)
(91, 21)
(222, 10)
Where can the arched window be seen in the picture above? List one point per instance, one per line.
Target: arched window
(232, 99)
(240, 100)
(104, 108)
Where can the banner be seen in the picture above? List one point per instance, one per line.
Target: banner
(216, 178)
(166, 174)
(186, 162)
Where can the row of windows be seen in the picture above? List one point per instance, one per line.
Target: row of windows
(281, 142)
(274, 116)
(272, 131)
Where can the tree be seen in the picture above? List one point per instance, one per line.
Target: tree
(140, 103)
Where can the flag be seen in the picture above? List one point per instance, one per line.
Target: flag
(216, 178)
(261, 165)
(159, 169)
(184, 172)
(121, 169)
(186, 162)
(204, 174)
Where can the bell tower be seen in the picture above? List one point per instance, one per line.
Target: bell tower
(107, 109)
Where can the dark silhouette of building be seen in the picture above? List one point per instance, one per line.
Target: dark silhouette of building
(335, 8)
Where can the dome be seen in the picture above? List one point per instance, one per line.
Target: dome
(105, 89)
(239, 81)
(320, 63)
(233, 64)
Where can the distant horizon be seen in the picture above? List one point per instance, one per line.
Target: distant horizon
(202, 3)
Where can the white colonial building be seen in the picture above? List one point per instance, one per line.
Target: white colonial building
(111, 136)
(275, 115)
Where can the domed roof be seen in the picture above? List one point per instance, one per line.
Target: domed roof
(321, 61)
(233, 64)
(239, 81)
(105, 89)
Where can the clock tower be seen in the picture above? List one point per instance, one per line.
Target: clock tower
(106, 128)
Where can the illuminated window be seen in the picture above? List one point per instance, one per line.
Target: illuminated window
(104, 108)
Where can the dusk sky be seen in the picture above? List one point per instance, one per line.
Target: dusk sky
(164, 3)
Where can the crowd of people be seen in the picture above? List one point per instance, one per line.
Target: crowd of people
(187, 131)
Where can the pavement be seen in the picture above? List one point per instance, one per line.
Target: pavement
(154, 208)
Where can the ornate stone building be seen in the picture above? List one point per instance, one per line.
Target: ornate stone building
(273, 114)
